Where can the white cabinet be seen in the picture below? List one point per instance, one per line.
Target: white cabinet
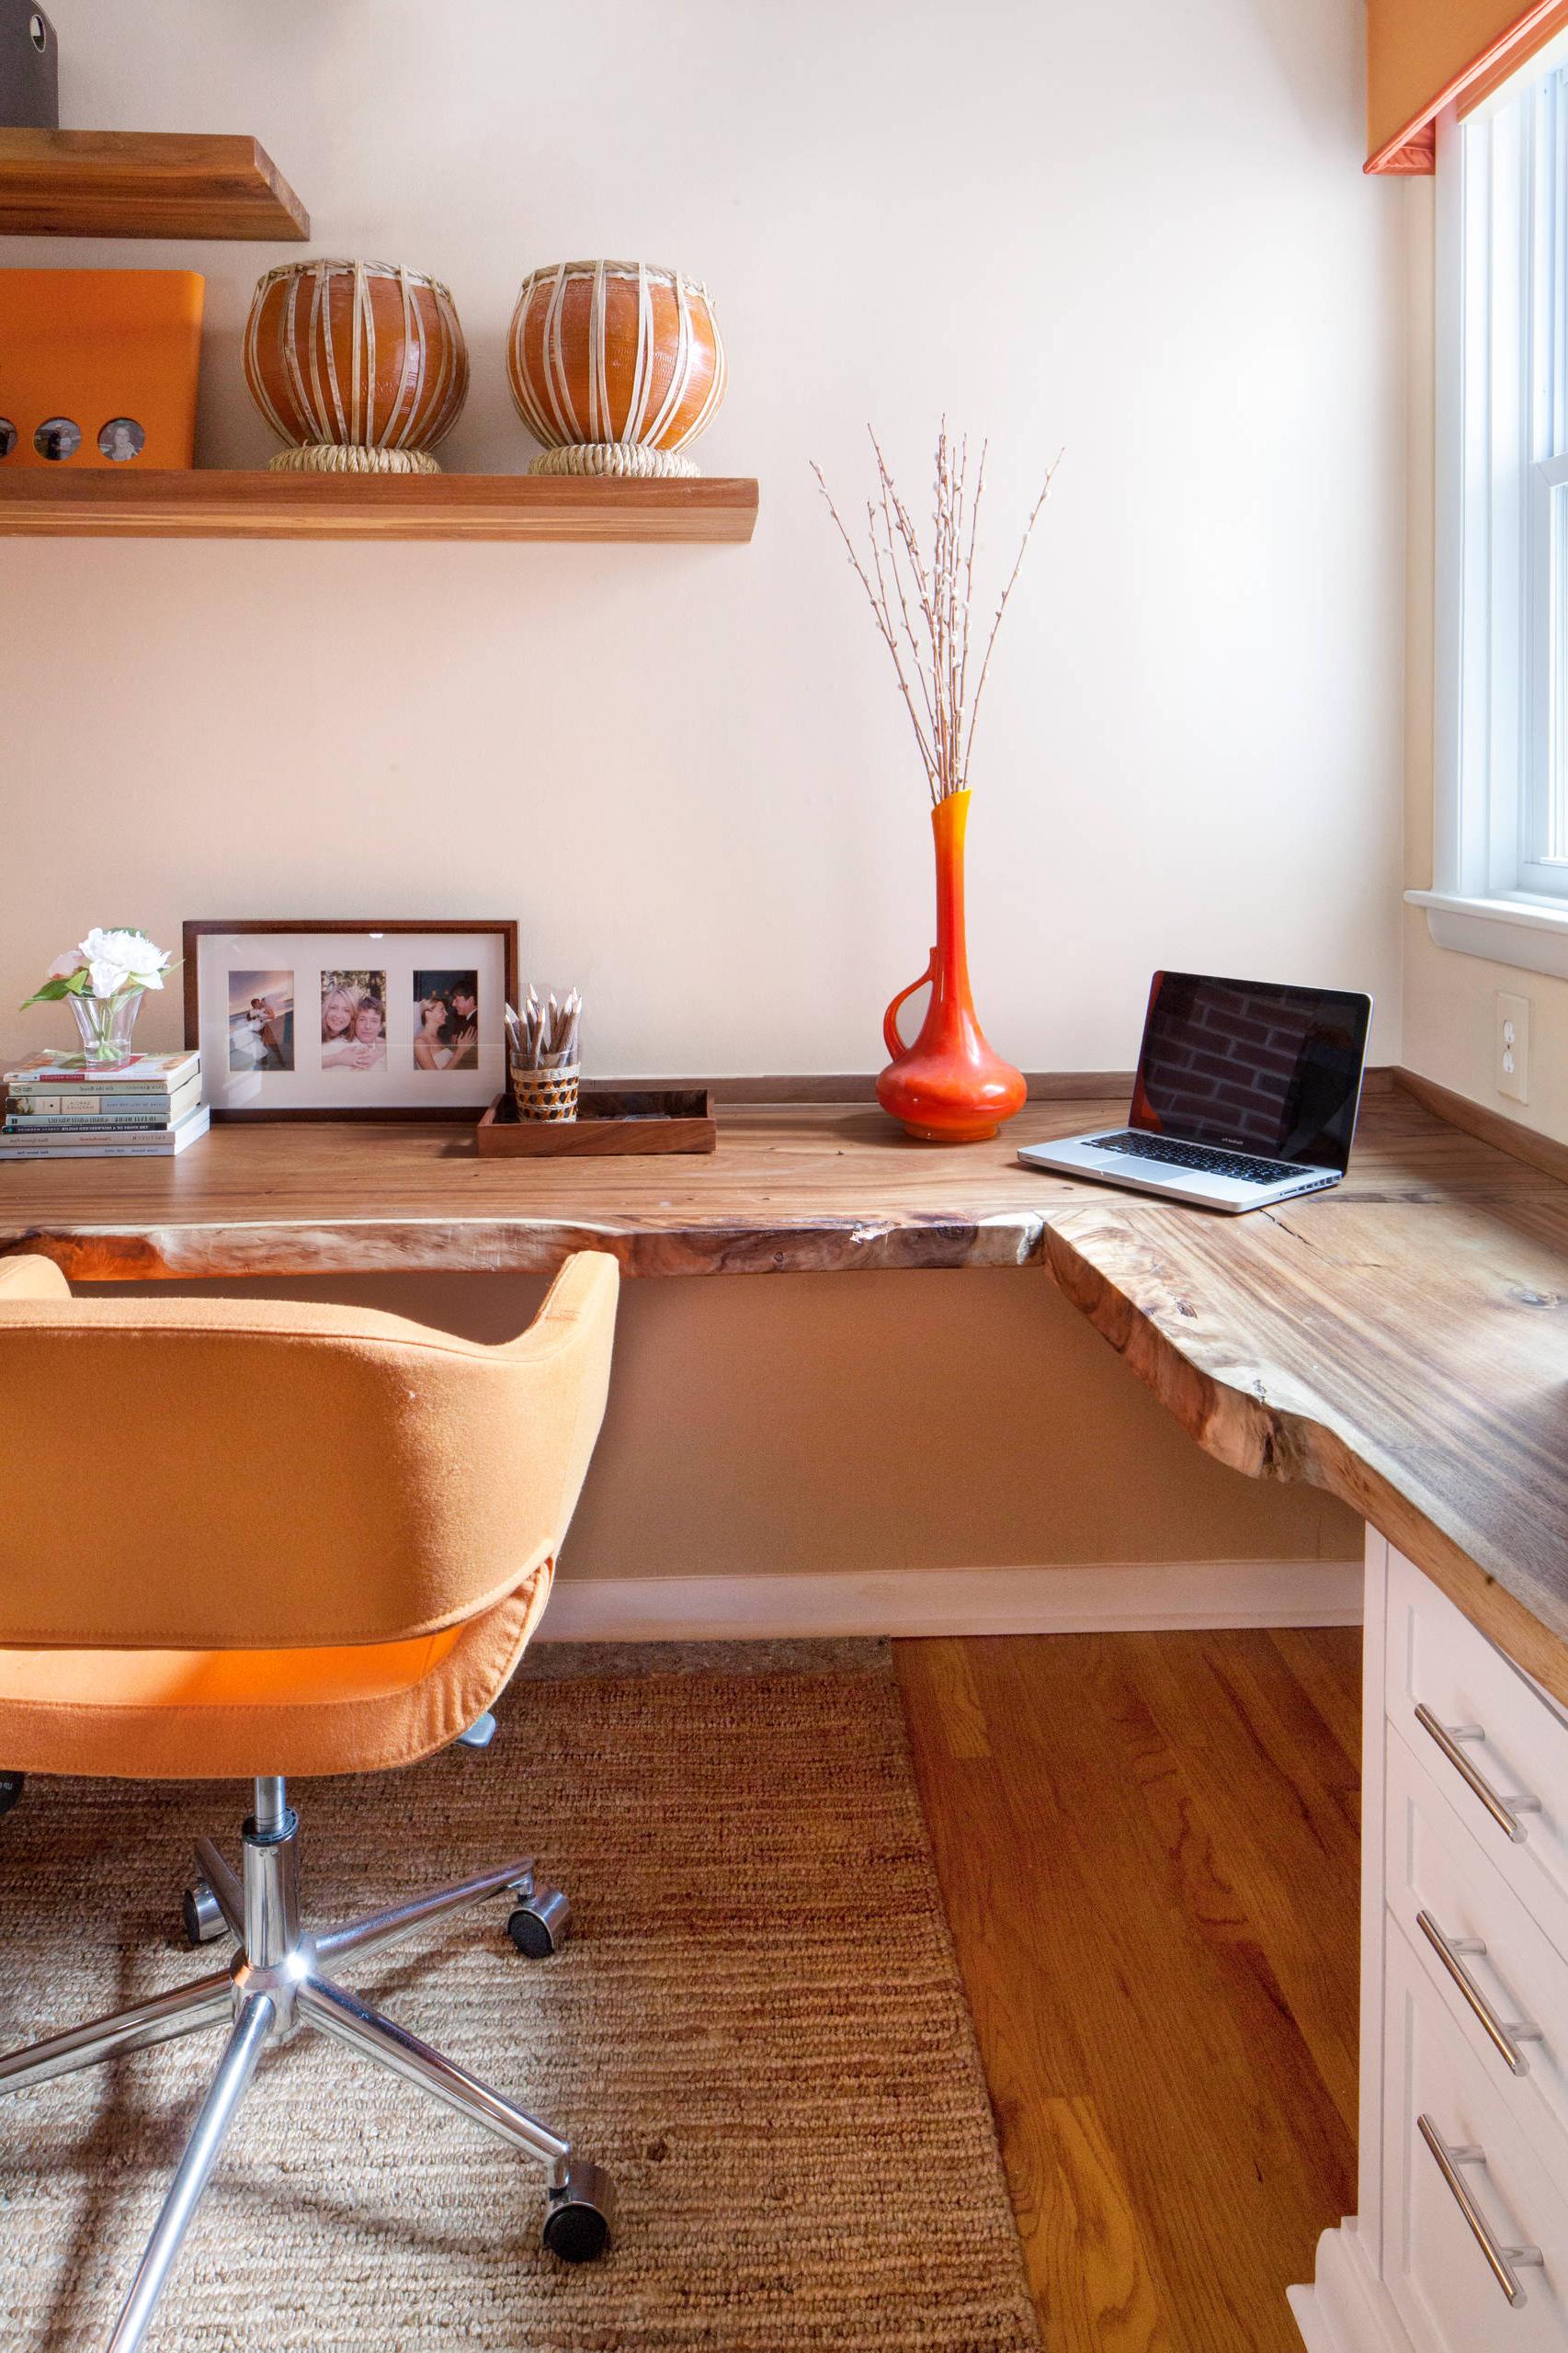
(1492, 1739)
(1461, 2242)
(1475, 2238)
(1502, 1980)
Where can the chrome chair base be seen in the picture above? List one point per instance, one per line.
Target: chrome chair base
(281, 1979)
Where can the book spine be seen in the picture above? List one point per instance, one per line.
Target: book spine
(76, 1149)
(83, 1106)
(98, 1094)
(95, 1148)
(24, 1103)
(142, 1082)
(42, 1124)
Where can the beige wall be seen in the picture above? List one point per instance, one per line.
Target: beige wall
(1451, 1000)
(766, 1425)
(683, 768)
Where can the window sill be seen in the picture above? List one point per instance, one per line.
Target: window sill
(1530, 933)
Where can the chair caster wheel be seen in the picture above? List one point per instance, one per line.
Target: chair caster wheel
(11, 1786)
(538, 1927)
(579, 2222)
(204, 1922)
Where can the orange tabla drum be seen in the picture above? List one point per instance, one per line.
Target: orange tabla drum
(360, 365)
(615, 366)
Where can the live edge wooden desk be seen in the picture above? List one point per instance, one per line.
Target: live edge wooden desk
(1401, 1341)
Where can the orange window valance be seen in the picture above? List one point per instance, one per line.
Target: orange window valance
(1422, 55)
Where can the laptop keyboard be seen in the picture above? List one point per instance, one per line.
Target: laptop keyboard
(1137, 1146)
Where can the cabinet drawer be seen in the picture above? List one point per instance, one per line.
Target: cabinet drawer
(1509, 2000)
(1495, 1744)
(1452, 2294)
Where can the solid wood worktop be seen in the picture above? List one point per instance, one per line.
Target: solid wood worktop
(806, 1186)
(1401, 1341)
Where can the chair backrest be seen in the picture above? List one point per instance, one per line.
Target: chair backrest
(222, 1474)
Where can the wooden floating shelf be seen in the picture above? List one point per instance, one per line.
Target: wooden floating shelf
(143, 183)
(208, 504)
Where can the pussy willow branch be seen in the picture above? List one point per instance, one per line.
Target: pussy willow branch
(899, 530)
(903, 603)
(969, 565)
(1002, 602)
(898, 583)
(886, 628)
(925, 610)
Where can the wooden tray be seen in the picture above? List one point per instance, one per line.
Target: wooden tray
(610, 1120)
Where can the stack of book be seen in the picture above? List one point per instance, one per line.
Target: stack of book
(61, 1107)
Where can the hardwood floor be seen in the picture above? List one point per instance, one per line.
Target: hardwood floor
(1148, 1845)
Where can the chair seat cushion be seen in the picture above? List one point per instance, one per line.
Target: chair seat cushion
(219, 1678)
(208, 1715)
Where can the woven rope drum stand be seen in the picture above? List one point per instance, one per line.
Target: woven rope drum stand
(351, 458)
(626, 460)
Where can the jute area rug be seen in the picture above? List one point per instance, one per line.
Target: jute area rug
(758, 2026)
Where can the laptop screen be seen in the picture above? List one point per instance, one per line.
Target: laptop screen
(1253, 1065)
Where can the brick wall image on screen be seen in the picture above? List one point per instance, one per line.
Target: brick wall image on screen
(1223, 1062)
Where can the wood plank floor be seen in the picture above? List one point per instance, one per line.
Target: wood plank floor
(1149, 1848)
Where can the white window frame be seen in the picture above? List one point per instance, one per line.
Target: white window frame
(1500, 884)
(1543, 857)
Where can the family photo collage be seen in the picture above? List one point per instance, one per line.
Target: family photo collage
(347, 1029)
(349, 1018)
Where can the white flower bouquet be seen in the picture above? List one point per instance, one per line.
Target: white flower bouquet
(103, 979)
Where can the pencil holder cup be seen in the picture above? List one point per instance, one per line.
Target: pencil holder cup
(545, 1094)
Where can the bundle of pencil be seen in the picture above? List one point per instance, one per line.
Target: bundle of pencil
(543, 1036)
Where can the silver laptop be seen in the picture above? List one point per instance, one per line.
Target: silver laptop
(1246, 1094)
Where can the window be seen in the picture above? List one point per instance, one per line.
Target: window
(1501, 884)
(1543, 864)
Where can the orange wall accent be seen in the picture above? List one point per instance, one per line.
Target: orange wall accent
(1422, 54)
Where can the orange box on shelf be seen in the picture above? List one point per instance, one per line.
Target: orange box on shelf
(98, 367)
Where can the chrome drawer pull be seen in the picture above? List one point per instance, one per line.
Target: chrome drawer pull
(1505, 1811)
(1504, 2040)
(1501, 2261)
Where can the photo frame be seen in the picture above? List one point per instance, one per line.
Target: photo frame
(375, 1020)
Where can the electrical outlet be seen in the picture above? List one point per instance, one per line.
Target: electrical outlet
(1513, 1058)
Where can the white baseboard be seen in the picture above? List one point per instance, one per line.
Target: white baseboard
(1091, 1597)
(1346, 2309)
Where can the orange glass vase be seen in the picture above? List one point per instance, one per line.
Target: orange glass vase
(948, 1087)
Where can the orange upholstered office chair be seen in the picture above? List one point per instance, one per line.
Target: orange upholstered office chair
(350, 1591)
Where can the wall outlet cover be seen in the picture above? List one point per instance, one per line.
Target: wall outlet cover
(1512, 1059)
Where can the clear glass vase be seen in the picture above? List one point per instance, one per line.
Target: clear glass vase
(106, 1023)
